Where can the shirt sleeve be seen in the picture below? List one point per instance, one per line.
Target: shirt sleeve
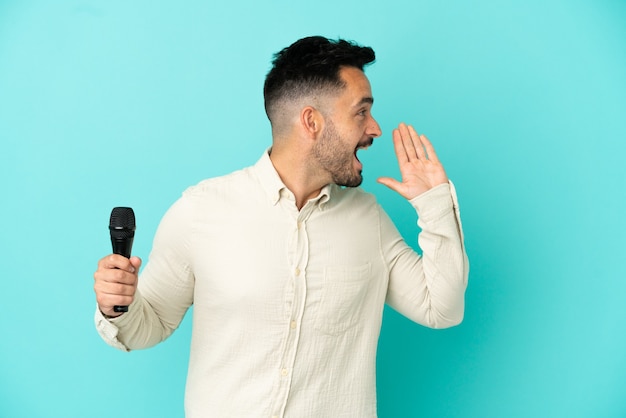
(164, 291)
(429, 289)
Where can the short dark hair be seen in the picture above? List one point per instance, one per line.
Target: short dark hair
(311, 65)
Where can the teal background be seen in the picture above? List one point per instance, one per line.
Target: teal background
(110, 103)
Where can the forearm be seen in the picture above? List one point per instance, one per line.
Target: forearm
(138, 328)
(430, 289)
(164, 291)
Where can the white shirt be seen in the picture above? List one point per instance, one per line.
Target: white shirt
(288, 304)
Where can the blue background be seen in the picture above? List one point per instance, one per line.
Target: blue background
(111, 103)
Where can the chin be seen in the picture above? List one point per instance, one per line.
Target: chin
(354, 181)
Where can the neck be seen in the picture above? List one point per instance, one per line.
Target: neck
(296, 174)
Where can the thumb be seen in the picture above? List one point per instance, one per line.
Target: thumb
(393, 184)
(136, 262)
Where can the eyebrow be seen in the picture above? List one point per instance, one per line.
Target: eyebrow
(365, 100)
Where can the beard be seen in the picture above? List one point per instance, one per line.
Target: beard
(337, 157)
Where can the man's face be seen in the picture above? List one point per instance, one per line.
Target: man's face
(349, 126)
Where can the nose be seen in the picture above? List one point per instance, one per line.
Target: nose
(374, 129)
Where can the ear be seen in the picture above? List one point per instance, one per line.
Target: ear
(311, 121)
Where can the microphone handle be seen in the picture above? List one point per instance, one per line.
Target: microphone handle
(121, 247)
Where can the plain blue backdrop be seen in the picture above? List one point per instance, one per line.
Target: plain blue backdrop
(111, 103)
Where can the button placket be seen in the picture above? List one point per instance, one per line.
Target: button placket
(298, 257)
(299, 263)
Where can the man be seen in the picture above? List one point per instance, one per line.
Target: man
(287, 270)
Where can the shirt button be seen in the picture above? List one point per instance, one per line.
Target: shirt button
(284, 372)
(297, 271)
(293, 324)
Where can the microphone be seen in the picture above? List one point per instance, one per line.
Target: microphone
(122, 228)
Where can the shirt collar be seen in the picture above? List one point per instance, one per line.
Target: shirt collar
(274, 186)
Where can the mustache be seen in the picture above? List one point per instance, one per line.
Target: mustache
(368, 142)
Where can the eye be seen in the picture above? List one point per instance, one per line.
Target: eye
(362, 112)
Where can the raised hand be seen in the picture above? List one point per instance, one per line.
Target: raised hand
(419, 166)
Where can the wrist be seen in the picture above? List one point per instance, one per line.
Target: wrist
(110, 316)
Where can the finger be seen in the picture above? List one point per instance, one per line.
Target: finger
(116, 261)
(407, 142)
(109, 289)
(111, 294)
(114, 289)
(417, 143)
(399, 147)
(432, 155)
(115, 276)
(106, 302)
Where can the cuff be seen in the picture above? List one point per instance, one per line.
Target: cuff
(108, 330)
(435, 203)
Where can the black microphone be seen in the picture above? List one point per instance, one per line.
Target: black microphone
(122, 228)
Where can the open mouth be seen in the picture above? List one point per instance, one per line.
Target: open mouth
(363, 145)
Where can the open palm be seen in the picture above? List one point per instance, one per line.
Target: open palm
(419, 165)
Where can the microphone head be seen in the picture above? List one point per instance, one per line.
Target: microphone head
(122, 223)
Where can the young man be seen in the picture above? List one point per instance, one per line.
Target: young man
(288, 263)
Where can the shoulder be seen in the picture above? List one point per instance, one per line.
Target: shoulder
(229, 182)
(230, 192)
